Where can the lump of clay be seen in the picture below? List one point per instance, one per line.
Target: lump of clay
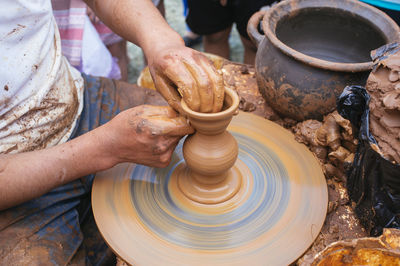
(383, 85)
(335, 135)
(305, 133)
(339, 156)
(329, 133)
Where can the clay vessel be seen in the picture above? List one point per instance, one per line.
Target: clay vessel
(210, 153)
(312, 49)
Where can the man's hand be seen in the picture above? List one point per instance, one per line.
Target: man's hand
(145, 134)
(183, 72)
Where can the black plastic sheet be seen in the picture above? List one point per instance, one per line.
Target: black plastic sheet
(373, 183)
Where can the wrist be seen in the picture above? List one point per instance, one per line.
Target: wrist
(100, 149)
(162, 43)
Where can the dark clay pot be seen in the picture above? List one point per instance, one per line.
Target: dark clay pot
(312, 49)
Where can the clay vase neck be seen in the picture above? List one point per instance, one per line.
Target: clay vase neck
(210, 153)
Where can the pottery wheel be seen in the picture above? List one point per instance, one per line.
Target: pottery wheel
(273, 218)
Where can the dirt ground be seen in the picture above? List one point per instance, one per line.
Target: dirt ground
(175, 18)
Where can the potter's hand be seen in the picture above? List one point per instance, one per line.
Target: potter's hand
(180, 71)
(146, 135)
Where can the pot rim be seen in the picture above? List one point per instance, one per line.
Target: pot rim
(278, 11)
(227, 113)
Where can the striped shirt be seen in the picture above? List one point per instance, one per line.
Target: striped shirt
(70, 17)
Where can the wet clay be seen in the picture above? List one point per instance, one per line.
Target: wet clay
(209, 155)
(383, 85)
(332, 140)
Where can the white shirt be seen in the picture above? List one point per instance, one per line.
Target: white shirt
(41, 95)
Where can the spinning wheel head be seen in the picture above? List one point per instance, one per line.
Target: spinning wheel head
(272, 218)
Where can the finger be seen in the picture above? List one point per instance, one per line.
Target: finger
(204, 86)
(216, 82)
(187, 86)
(145, 112)
(177, 126)
(148, 111)
(169, 93)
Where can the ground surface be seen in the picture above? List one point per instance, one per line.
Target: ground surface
(175, 18)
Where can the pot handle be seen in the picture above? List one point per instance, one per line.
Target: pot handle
(252, 27)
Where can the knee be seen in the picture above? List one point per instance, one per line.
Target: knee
(248, 45)
(218, 37)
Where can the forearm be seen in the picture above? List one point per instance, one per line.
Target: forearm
(138, 21)
(28, 175)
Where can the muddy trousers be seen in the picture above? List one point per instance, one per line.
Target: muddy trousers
(58, 228)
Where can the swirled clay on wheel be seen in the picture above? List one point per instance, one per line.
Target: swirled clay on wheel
(271, 219)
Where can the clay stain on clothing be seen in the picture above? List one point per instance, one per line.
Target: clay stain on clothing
(13, 31)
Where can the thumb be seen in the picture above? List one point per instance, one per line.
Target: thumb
(173, 127)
